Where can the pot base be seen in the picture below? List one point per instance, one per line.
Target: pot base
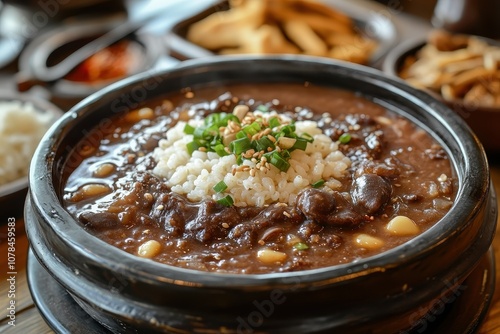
(464, 315)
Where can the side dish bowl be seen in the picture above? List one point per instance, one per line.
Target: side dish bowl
(389, 292)
(15, 137)
(483, 120)
(53, 45)
(367, 23)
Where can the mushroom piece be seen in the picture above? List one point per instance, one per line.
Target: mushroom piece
(328, 208)
(370, 193)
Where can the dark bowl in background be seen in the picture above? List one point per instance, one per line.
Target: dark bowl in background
(126, 293)
(53, 45)
(484, 121)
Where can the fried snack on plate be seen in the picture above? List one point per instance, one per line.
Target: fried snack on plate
(492, 60)
(459, 67)
(266, 39)
(353, 48)
(282, 26)
(305, 37)
(225, 28)
(284, 11)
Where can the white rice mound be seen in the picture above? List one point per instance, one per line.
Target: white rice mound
(195, 175)
(21, 128)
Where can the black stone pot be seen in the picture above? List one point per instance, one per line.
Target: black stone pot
(387, 293)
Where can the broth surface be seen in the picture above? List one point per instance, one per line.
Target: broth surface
(397, 170)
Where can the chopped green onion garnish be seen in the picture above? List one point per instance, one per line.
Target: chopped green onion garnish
(211, 131)
(307, 137)
(188, 129)
(220, 150)
(252, 129)
(229, 117)
(278, 162)
(214, 142)
(285, 154)
(300, 144)
(318, 183)
(241, 134)
(215, 118)
(239, 160)
(345, 138)
(263, 144)
(266, 136)
(226, 201)
(199, 132)
(288, 129)
(274, 122)
(278, 135)
(300, 246)
(220, 187)
(192, 146)
(241, 145)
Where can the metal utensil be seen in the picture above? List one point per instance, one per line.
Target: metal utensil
(58, 71)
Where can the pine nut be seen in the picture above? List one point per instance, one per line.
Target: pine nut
(91, 190)
(149, 249)
(240, 111)
(270, 256)
(139, 114)
(369, 242)
(104, 170)
(402, 226)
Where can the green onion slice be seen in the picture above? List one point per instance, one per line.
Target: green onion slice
(300, 144)
(318, 183)
(252, 129)
(289, 130)
(278, 162)
(226, 201)
(241, 145)
(263, 144)
(199, 132)
(220, 149)
(213, 136)
(241, 134)
(307, 137)
(274, 122)
(188, 129)
(192, 146)
(300, 246)
(220, 187)
(345, 138)
(285, 154)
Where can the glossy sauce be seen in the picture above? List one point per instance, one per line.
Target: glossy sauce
(397, 170)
